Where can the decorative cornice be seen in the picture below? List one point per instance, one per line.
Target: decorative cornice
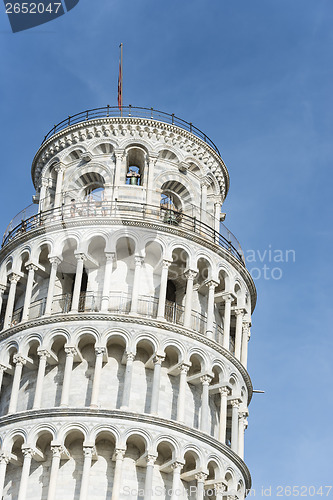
(139, 320)
(85, 413)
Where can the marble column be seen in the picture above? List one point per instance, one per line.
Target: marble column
(203, 204)
(210, 308)
(242, 425)
(226, 324)
(130, 356)
(219, 490)
(234, 425)
(14, 279)
(100, 352)
(107, 280)
(238, 336)
(163, 289)
(158, 360)
(43, 355)
(88, 454)
(19, 362)
(60, 174)
(176, 481)
(149, 477)
(245, 340)
(70, 353)
(223, 414)
(2, 291)
(136, 283)
(119, 455)
(28, 454)
(57, 451)
(150, 183)
(204, 420)
(3, 368)
(54, 261)
(4, 460)
(117, 173)
(201, 478)
(42, 194)
(184, 368)
(80, 257)
(28, 290)
(190, 275)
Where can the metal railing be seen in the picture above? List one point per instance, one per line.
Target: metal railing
(129, 112)
(124, 211)
(119, 303)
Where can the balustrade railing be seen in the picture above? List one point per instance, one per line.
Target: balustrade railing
(124, 211)
(119, 303)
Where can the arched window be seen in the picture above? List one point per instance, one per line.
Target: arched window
(171, 208)
(135, 166)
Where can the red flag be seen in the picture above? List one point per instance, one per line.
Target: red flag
(120, 79)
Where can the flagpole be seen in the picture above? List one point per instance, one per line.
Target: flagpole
(121, 79)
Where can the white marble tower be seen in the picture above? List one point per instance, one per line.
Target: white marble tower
(125, 319)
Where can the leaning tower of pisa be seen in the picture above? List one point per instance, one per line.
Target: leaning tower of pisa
(125, 319)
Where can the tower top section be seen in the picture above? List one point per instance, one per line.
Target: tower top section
(149, 127)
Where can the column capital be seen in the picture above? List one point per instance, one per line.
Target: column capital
(44, 182)
(119, 153)
(28, 452)
(201, 477)
(206, 379)
(89, 451)
(43, 353)
(205, 182)
(228, 297)
(59, 451)
(239, 311)
(4, 458)
(14, 278)
(177, 465)
(235, 403)
(166, 263)
(80, 256)
(225, 391)
(59, 167)
(139, 260)
(151, 459)
(31, 267)
(70, 351)
(54, 260)
(246, 329)
(158, 359)
(130, 356)
(18, 359)
(184, 368)
(190, 274)
(220, 487)
(2, 288)
(100, 350)
(212, 283)
(110, 256)
(119, 454)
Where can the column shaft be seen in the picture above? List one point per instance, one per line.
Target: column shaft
(149, 477)
(156, 384)
(28, 292)
(107, 281)
(210, 309)
(181, 394)
(56, 450)
(176, 481)
(245, 340)
(128, 380)
(100, 351)
(238, 335)
(204, 421)
(78, 282)
(19, 362)
(234, 426)
(3, 466)
(223, 415)
(25, 474)
(136, 284)
(226, 323)
(70, 352)
(163, 290)
(88, 451)
(119, 455)
(57, 197)
(190, 274)
(43, 355)
(50, 292)
(11, 300)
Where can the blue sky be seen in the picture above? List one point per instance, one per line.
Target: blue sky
(256, 76)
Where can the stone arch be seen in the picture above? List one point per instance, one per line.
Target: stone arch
(116, 332)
